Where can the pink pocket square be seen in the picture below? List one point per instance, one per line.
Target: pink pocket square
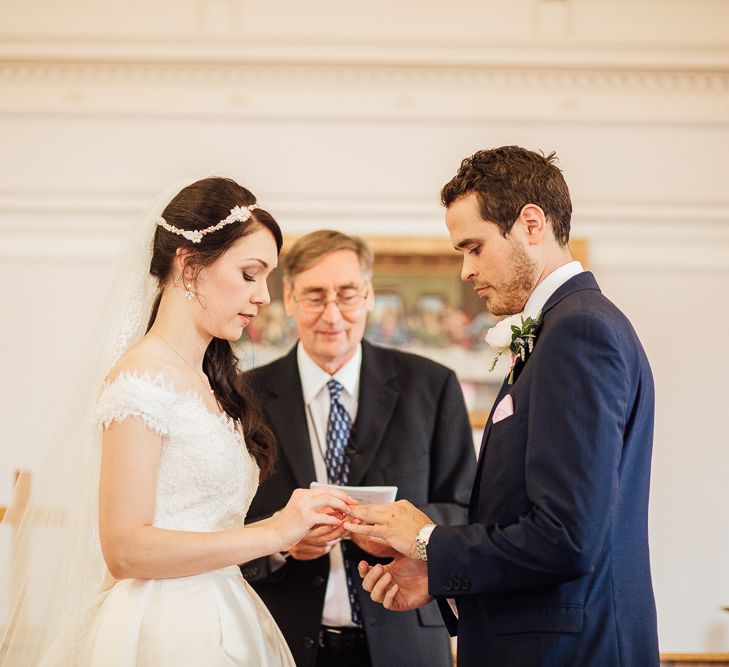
(504, 409)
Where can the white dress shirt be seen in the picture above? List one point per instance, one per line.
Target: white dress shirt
(549, 286)
(337, 611)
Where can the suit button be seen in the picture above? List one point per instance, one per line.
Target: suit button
(465, 584)
(448, 585)
(308, 642)
(457, 585)
(318, 580)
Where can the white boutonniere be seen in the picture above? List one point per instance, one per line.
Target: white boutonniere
(516, 334)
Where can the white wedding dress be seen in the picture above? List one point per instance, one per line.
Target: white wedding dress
(206, 481)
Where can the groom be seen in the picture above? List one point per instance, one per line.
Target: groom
(552, 568)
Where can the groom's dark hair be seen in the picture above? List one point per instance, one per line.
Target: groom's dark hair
(508, 178)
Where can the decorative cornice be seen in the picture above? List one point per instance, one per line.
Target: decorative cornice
(571, 76)
(371, 92)
(536, 59)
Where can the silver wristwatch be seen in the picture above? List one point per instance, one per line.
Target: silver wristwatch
(421, 541)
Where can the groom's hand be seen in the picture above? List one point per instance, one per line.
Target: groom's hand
(399, 586)
(396, 523)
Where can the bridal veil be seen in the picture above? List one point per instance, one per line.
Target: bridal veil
(57, 567)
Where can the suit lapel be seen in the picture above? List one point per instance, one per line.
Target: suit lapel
(505, 387)
(286, 410)
(378, 394)
(582, 281)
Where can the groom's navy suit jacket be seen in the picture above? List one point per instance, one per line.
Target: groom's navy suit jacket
(411, 431)
(553, 568)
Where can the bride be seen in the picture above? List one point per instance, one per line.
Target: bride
(182, 446)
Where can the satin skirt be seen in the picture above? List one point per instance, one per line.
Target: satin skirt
(211, 619)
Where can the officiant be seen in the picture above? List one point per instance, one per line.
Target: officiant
(345, 411)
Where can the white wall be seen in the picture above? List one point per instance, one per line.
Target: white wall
(353, 115)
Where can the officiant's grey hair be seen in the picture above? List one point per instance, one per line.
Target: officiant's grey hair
(310, 249)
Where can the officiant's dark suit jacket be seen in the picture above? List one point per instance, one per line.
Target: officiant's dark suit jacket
(412, 431)
(553, 568)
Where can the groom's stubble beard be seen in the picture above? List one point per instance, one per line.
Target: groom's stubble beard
(512, 293)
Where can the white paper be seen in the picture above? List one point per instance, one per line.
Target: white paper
(367, 495)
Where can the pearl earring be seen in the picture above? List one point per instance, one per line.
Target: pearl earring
(188, 291)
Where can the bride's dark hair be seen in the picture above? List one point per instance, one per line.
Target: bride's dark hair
(197, 206)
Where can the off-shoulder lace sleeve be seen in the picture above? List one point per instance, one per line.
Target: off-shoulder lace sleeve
(136, 395)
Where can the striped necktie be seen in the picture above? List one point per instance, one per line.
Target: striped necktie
(337, 462)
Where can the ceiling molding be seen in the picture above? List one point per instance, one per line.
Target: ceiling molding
(38, 205)
(59, 226)
(552, 53)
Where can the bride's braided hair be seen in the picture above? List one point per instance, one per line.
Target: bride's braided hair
(198, 206)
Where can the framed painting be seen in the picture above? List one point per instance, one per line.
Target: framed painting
(421, 306)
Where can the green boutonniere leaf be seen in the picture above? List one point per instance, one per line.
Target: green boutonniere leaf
(522, 341)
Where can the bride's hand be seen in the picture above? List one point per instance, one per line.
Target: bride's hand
(308, 508)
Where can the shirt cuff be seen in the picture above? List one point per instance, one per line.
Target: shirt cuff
(276, 561)
(425, 532)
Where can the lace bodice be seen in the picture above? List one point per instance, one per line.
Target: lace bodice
(206, 478)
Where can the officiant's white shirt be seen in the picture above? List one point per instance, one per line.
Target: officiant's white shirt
(337, 610)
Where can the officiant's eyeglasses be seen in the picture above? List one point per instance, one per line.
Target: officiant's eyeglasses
(346, 300)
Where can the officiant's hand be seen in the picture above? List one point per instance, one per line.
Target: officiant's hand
(317, 542)
(399, 586)
(396, 523)
(374, 546)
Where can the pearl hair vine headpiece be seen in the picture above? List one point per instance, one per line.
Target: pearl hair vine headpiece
(237, 214)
